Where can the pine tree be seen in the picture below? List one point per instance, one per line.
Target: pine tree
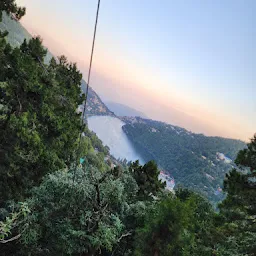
(238, 210)
(38, 119)
(146, 177)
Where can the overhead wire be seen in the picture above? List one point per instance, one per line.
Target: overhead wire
(87, 86)
(90, 66)
(87, 89)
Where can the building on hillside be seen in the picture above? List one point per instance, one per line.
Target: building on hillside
(218, 191)
(170, 183)
(13, 17)
(224, 158)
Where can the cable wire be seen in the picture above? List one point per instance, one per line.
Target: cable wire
(90, 67)
(87, 87)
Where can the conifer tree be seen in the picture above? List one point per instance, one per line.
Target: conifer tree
(38, 119)
(238, 210)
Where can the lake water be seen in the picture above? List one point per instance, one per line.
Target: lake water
(109, 130)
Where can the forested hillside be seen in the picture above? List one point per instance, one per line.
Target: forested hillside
(95, 106)
(16, 35)
(61, 194)
(192, 159)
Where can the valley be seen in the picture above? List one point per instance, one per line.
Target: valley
(194, 160)
(189, 158)
(83, 176)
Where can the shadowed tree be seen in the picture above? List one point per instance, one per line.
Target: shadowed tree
(39, 124)
(146, 177)
(238, 210)
(81, 216)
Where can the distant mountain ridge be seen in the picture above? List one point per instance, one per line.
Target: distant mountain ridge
(194, 160)
(123, 110)
(16, 36)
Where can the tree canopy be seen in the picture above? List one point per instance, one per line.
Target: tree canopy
(53, 204)
(38, 119)
(192, 159)
(10, 7)
(238, 210)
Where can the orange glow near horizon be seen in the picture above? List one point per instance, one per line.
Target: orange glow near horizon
(136, 88)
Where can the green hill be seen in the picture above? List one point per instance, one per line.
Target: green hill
(192, 159)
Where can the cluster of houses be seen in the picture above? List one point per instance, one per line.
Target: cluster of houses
(13, 17)
(218, 191)
(170, 183)
(221, 156)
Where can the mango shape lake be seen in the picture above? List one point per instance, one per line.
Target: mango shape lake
(109, 130)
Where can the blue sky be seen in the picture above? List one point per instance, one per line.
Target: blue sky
(197, 57)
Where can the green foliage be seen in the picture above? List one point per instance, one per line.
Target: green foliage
(238, 210)
(186, 224)
(95, 141)
(39, 124)
(17, 33)
(247, 157)
(146, 177)
(81, 216)
(12, 221)
(149, 187)
(10, 7)
(96, 210)
(176, 226)
(190, 158)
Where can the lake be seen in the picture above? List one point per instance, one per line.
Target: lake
(109, 130)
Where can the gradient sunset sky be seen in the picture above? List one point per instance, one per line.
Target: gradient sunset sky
(191, 63)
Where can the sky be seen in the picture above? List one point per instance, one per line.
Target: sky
(190, 63)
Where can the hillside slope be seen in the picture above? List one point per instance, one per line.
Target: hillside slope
(95, 106)
(194, 160)
(17, 34)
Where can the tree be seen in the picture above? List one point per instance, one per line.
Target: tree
(150, 187)
(247, 157)
(164, 229)
(10, 7)
(238, 210)
(134, 217)
(188, 157)
(146, 177)
(81, 216)
(177, 225)
(38, 120)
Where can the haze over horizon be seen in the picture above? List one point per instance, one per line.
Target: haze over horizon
(189, 63)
